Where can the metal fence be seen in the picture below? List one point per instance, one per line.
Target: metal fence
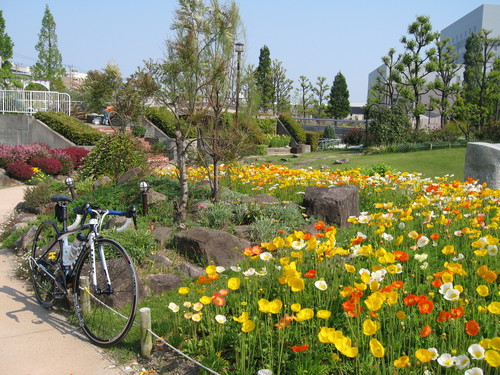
(22, 101)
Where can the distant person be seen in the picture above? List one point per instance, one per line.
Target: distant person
(107, 111)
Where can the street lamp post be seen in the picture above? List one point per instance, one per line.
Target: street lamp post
(144, 187)
(238, 47)
(70, 183)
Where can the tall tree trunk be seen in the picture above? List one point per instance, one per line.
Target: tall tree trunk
(181, 204)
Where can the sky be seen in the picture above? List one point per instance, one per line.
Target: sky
(310, 37)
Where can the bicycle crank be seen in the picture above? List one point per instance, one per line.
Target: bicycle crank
(36, 266)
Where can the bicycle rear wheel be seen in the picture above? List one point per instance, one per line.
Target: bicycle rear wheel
(105, 312)
(46, 253)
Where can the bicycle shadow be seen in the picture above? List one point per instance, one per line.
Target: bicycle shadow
(24, 309)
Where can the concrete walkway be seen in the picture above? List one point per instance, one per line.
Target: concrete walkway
(34, 340)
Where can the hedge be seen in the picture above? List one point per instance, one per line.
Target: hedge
(71, 128)
(293, 127)
(312, 138)
(162, 118)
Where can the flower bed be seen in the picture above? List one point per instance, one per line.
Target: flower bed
(411, 287)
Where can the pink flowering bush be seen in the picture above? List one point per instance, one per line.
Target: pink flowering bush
(47, 165)
(20, 170)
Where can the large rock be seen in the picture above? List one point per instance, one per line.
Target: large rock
(130, 176)
(161, 283)
(211, 245)
(23, 242)
(482, 162)
(332, 205)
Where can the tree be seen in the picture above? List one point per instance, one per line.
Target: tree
(282, 87)
(385, 89)
(6, 52)
(320, 91)
(99, 88)
(443, 63)
(49, 65)
(338, 103)
(305, 95)
(413, 65)
(263, 78)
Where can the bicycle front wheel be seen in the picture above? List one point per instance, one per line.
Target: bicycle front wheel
(45, 264)
(105, 310)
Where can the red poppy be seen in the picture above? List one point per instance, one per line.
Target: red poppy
(301, 348)
(281, 231)
(320, 235)
(401, 256)
(472, 328)
(410, 300)
(425, 306)
(443, 316)
(425, 331)
(310, 274)
(398, 284)
(434, 236)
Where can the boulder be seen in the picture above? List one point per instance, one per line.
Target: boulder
(332, 205)
(260, 199)
(190, 269)
(341, 161)
(26, 238)
(160, 261)
(130, 176)
(163, 282)
(212, 245)
(162, 235)
(482, 162)
(155, 197)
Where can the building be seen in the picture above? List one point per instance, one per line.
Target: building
(72, 78)
(486, 17)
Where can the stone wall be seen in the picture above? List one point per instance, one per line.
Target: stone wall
(482, 162)
(22, 129)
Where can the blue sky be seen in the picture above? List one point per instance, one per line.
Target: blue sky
(312, 38)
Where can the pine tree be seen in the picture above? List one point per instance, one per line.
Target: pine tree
(6, 51)
(338, 103)
(49, 65)
(263, 78)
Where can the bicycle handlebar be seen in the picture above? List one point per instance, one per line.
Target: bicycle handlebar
(82, 212)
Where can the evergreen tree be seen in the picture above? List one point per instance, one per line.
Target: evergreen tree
(338, 103)
(472, 72)
(6, 51)
(49, 65)
(263, 79)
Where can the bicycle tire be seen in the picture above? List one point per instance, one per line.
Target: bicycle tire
(106, 317)
(46, 251)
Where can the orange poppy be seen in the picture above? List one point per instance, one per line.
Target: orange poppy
(434, 236)
(319, 225)
(398, 284)
(437, 283)
(320, 235)
(310, 274)
(386, 289)
(425, 306)
(410, 300)
(443, 316)
(202, 279)
(401, 256)
(425, 331)
(472, 328)
(457, 312)
(301, 348)
(307, 236)
(218, 299)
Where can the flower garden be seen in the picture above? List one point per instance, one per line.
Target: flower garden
(409, 288)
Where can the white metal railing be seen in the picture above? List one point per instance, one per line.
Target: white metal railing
(23, 101)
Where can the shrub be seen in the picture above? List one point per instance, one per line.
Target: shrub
(71, 128)
(267, 125)
(312, 138)
(67, 165)
(295, 129)
(163, 118)
(20, 170)
(138, 131)
(47, 165)
(77, 154)
(353, 137)
(35, 197)
(113, 156)
(277, 140)
(329, 132)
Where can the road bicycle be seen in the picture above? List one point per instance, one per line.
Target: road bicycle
(97, 271)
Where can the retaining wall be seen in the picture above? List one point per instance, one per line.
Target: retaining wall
(22, 129)
(482, 162)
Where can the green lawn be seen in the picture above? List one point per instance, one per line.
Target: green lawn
(431, 163)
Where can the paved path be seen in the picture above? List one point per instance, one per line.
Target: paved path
(34, 340)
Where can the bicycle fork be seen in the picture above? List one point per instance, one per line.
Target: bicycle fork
(104, 266)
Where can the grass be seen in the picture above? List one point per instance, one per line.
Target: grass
(430, 163)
